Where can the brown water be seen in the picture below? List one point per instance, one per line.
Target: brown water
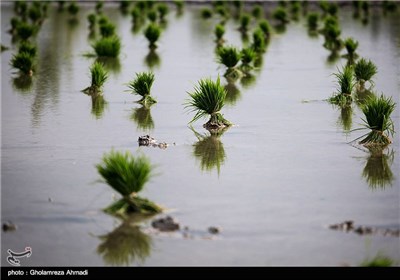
(286, 170)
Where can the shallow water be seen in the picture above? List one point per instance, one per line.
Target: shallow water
(286, 170)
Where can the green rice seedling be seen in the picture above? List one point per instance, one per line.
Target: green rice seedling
(25, 30)
(163, 10)
(127, 174)
(98, 105)
(91, 18)
(98, 78)
(365, 7)
(108, 46)
(141, 85)
(152, 33)
(35, 14)
(60, 6)
(143, 119)
(257, 12)
(230, 57)
(332, 37)
(377, 111)
(99, 7)
(107, 29)
(364, 71)
(27, 47)
(73, 9)
(258, 44)
(206, 13)
(377, 171)
(24, 62)
(219, 32)
(351, 46)
(312, 21)
(280, 15)
(328, 8)
(21, 9)
(152, 16)
(125, 245)
(223, 12)
(208, 98)
(356, 8)
(282, 3)
(248, 55)
(15, 22)
(179, 4)
(295, 9)
(238, 8)
(210, 151)
(244, 22)
(345, 82)
(389, 6)
(378, 261)
(265, 27)
(103, 19)
(124, 6)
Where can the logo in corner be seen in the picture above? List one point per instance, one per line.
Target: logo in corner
(13, 256)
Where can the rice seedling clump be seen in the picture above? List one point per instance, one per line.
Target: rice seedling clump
(141, 85)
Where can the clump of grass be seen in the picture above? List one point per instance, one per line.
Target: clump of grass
(258, 41)
(345, 82)
(98, 78)
(364, 71)
(73, 9)
(378, 261)
(163, 10)
(248, 55)
(265, 27)
(280, 15)
(257, 12)
(208, 98)
(230, 57)
(219, 32)
(141, 85)
(312, 21)
(108, 46)
(206, 13)
(127, 175)
(244, 22)
(27, 47)
(152, 33)
(107, 29)
(351, 46)
(377, 111)
(152, 15)
(25, 30)
(24, 62)
(91, 18)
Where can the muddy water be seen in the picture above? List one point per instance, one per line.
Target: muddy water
(273, 182)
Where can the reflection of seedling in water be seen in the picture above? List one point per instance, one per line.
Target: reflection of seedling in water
(208, 98)
(142, 117)
(107, 29)
(209, 150)
(25, 30)
(127, 175)
(345, 89)
(141, 85)
(152, 33)
(73, 10)
(163, 10)
(346, 117)
(152, 59)
(230, 57)
(232, 92)
(23, 82)
(152, 16)
(295, 10)
(98, 105)
(124, 245)
(364, 71)
(377, 170)
(108, 46)
(92, 18)
(377, 111)
(257, 12)
(99, 76)
(179, 4)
